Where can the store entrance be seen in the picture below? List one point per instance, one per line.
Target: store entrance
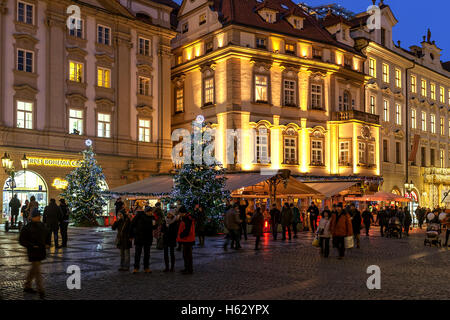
(27, 184)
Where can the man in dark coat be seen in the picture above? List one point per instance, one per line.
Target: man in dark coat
(313, 215)
(296, 219)
(63, 226)
(367, 219)
(169, 232)
(382, 220)
(14, 204)
(258, 226)
(25, 212)
(52, 219)
(142, 233)
(287, 217)
(275, 219)
(243, 205)
(118, 205)
(33, 236)
(356, 225)
(407, 221)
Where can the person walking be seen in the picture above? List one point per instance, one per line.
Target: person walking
(313, 215)
(159, 221)
(25, 212)
(123, 240)
(142, 232)
(186, 235)
(200, 224)
(232, 223)
(14, 205)
(52, 219)
(420, 215)
(63, 226)
(33, 204)
(169, 232)
(296, 219)
(323, 231)
(382, 222)
(407, 222)
(33, 236)
(275, 219)
(258, 226)
(287, 218)
(367, 219)
(356, 225)
(118, 205)
(340, 227)
(243, 205)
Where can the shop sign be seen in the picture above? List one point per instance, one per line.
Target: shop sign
(60, 184)
(63, 163)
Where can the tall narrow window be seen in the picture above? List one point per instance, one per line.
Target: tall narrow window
(262, 146)
(25, 60)
(346, 103)
(261, 43)
(433, 123)
(424, 121)
(179, 106)
(289, 48)
(103, 77)
(261, 88)
(185, 27)
(385, 73)
(433, 91)
(371, 155)
(398, 78)
(413, 118)
(432, 157)
(144, 130)
(372, 67)
(373, 107)
(289, 93)
(144, 46)
(77, 28)
(104, 125)
(442, 158)
(25, 12)
(383, 36)
(290, 150)
(362, 152)
(386, 110)
(209, 91)
(423, 157)
(24, 115)
(385, 151)
(344, 153)
(144, 86)
(413, 84)
(75, 121)
(76, 71)
(316, 96)
(398, 114)
(442, 126)
(424, 87)
(104, 35)
(398, 153)
(442, 94)
(316, 152)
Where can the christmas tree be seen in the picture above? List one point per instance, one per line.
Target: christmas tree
(83, 194)
(202, 182)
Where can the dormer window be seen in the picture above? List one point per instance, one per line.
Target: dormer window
(269, 17)
(297, 23)
(290, 48)
(261, 43)
(185, 28)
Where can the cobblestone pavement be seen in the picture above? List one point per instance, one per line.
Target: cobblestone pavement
(281, 270)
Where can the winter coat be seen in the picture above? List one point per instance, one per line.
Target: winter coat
(296, 215)
(313, 212)
(341, 225)
(258, 224)
(118, 205)
(286, 216)
(186, 231)
(123, 227)
(200, 221)
(33, 205)
(324, 224)
(14, 204)
(65, 213)
(275, 216)
(34, 237)
(232, 220)
(52, 216)
(243, 212)
(408, 219)
(367, 217)
(356, 222)
(170, 232)
(142, 229)
(159, 220)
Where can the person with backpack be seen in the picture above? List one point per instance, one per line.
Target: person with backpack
(64, 225)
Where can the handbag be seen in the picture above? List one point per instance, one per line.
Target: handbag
(160, 243)
(316, 242)
(348, 242)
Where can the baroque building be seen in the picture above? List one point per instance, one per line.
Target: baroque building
(272, 66)
(95, 71)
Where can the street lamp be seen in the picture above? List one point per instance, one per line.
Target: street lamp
(8, 166)
(24, 162)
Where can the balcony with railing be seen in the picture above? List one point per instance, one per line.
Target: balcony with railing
(355, 115)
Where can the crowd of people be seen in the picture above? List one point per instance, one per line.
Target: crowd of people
(177, 229)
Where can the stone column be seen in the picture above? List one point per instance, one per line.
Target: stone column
(123, 86)
(55, 115)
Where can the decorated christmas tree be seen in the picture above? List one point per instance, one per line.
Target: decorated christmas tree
(202, 182)
(83, 193)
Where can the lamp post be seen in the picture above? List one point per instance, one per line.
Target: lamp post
(408, 189)
(8, 166)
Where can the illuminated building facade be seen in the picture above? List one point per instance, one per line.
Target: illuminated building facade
(270, 65)
(410, 91)
(102, 80)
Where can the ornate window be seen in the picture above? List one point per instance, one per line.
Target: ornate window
(413, 84)
(104, 125)
(372, 67)
(76, 122)
(385, 73)
(386, 110)
(103, 35)
(144, 46)
(442, 126)
(398, 114)
(433, 91)
(373, 107)
(144, 86)
(262, 145)
(344, 153)
(414, 118)
(424, 121)
(317, 148)
(316, 96)
(209, 95)
(25, 60)
(442, 94)
(24, 115)
(261, 88)
(362, 153)
(77, 28)
(25, 12)
(289, 93)
(104, 77)
(76, 71)
(424, 87)
(290, 138)
(344, 101)
(144, 133)
(433, 123)
(398, 78)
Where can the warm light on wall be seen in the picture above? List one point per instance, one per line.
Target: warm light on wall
(355, 64)
(377, 150)
(188, 52)
(339, 58)
(355, 149)
(304, 50)
(275, 143)
(276, 44)
(246, 142)
(220, 40)
(198, 49)
(221, 138)
(304, 147)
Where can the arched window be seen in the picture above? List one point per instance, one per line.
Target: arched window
(290, 139)
(262, 146)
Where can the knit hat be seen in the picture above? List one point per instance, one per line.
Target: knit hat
(35, 213)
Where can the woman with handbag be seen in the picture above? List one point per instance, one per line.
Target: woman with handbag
(341, 227)
(123, 240)
(324, 234)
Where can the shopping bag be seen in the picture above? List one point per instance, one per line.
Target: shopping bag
(316, 242)
(348, 242)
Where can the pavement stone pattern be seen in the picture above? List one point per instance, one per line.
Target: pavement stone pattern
(290, 270)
